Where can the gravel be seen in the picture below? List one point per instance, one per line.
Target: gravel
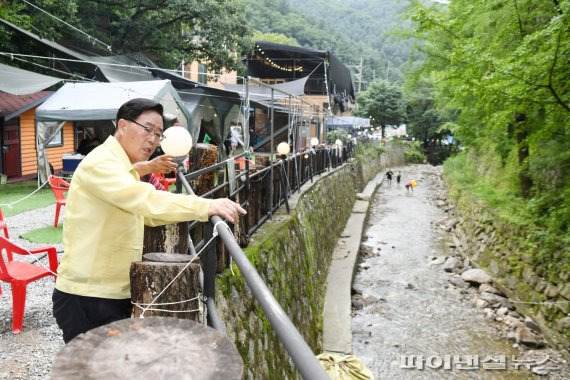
(29, 355)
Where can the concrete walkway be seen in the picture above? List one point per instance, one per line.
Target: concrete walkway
(337, 322)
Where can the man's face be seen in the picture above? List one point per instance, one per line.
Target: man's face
(140, 137)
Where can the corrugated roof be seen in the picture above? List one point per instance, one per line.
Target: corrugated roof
(13, 105)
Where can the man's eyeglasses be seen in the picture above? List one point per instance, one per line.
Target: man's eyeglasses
(157, 136)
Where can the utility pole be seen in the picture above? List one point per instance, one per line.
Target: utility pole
(360, 76)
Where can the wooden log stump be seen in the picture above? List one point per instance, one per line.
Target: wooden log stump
(171, 238)
(150, 348)
(149, 278)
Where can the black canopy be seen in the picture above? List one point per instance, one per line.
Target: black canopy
(276, 61)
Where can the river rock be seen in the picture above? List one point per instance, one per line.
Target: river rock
(478, 276)
(502, 311)
(527, 337)
(451, 264)
(565, 290)
(490, 289)
(511, 321)
(357, 302)
(530, 324)
(551, 291)
(481, 303)
(493, 299)
(459, 282)
(563, 324)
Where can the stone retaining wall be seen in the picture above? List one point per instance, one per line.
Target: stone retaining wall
(504, 251)
(292, 254)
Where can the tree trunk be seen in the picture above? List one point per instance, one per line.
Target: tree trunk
(523, 154)
(150, 348)
(149, 278)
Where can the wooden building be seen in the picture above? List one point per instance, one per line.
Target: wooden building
(19, 159)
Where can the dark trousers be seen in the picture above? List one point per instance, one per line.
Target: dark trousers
(78, 314)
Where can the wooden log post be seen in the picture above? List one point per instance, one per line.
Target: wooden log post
(202, 156)
(150, 348)
(149, 278)
(171, 238)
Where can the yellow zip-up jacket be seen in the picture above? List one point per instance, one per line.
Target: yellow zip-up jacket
(107, 208)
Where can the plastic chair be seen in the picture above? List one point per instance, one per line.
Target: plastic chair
(166, 182)
(58, 186)
(3, 226)
(19, 274)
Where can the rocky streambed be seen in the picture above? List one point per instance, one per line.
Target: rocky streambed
(423, 311)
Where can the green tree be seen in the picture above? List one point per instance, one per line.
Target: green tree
(211, 31)
(277, 38)
(424, 120)
(500, 66)
(384, 103)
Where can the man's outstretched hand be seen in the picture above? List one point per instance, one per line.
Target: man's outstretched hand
(226, 209)
(160, 164)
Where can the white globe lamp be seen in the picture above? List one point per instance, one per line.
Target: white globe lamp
(177, 142)
(314, 141)
(283, 148)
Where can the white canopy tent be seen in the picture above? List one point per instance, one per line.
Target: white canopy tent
(97, 101)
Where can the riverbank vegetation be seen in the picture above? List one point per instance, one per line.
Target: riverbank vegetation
(500, 71)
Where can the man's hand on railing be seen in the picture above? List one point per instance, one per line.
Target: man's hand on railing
(226, 209)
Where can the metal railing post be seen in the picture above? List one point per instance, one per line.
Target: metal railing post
(271, 157)
(210, 269)
(247, 204)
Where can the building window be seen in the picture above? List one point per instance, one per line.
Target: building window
(57, 140)
(202, 73)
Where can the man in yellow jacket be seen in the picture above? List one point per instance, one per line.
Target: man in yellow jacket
(107, 208)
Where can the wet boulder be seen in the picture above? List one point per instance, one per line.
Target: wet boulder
(477, 276)
(452, 264)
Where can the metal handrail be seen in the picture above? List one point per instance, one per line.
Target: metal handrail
(301, 354)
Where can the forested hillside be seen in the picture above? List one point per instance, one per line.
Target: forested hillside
(502, 69)
(349, 29)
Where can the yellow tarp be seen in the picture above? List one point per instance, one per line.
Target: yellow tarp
(348, 367)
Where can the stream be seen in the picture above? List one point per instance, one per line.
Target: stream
(409, 321)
